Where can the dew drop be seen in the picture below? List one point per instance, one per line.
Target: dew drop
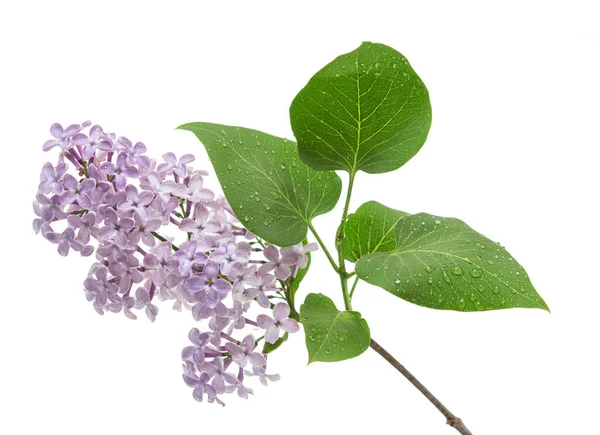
(446, 277)
(457, 271)
(475, 273)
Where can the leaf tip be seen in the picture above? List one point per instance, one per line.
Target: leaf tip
(187, 126)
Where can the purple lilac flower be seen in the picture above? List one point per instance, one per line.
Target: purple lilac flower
(121, 170)
(281, 265)
(279, 321)
(62, 137)
(105, 192)
(266, 283)
(173, 165)
(116, 228)
(135, 152)
(51, 178)
(201, 223)
(229, 256)
(300, 251)
(76, 191)
(95, 140)
(136, 202)
(189, 256)
(195, 352)
(245, 352)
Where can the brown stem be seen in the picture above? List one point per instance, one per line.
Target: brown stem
(451, 419)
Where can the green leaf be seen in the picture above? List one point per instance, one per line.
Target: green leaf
(370, 229)
(443, 263)
(271, 191)
(367, 110)
(332, 335)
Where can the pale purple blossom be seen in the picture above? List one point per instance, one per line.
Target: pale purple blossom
(116, 227)
(279, 264)
(51, 178)
(228, 256)
(245, 352)
(171, 164)
(104, 192)
(121, 170)
(135, 201)
(279, 321)
(95, 140)
(188, 256)
(62, 137)
(300, 251)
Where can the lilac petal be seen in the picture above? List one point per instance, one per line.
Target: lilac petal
(229, 377)
(186, 158)
(188, 225)
(221, 286)
(281, 311)
(49, 144)
(87, 250)
(188, 352)
(151, 312)
(264, 321)
(271, 253)
(61, 168)
(130, 172)
(289, 325)
(288, 257)
(53, 237)
(211, 269)
(248, 343)
(266, 268)
(170, 159)
(263, 300)
(63, 248)
(142, 295)
(311, 247)
(126, 224)
(198, 392)
(150, 261)
(80, 139)
(72, 129)
(195, 283)
(234, 349)
(283, 272)
(57, 131)
(145, 198)
(108, 168)
(272, 334)
(70, 182)
(257, 359)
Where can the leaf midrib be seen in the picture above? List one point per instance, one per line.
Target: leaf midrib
(306, 219)
(414, 251)
(328, 334)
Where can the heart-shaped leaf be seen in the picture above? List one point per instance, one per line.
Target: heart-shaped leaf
(370, 229)
(367, 110)
(443, 263)
(271, 191)
(332, 335)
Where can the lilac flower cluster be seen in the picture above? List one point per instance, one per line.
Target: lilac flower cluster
(159, 234)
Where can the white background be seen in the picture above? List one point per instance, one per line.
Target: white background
(513, 151)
